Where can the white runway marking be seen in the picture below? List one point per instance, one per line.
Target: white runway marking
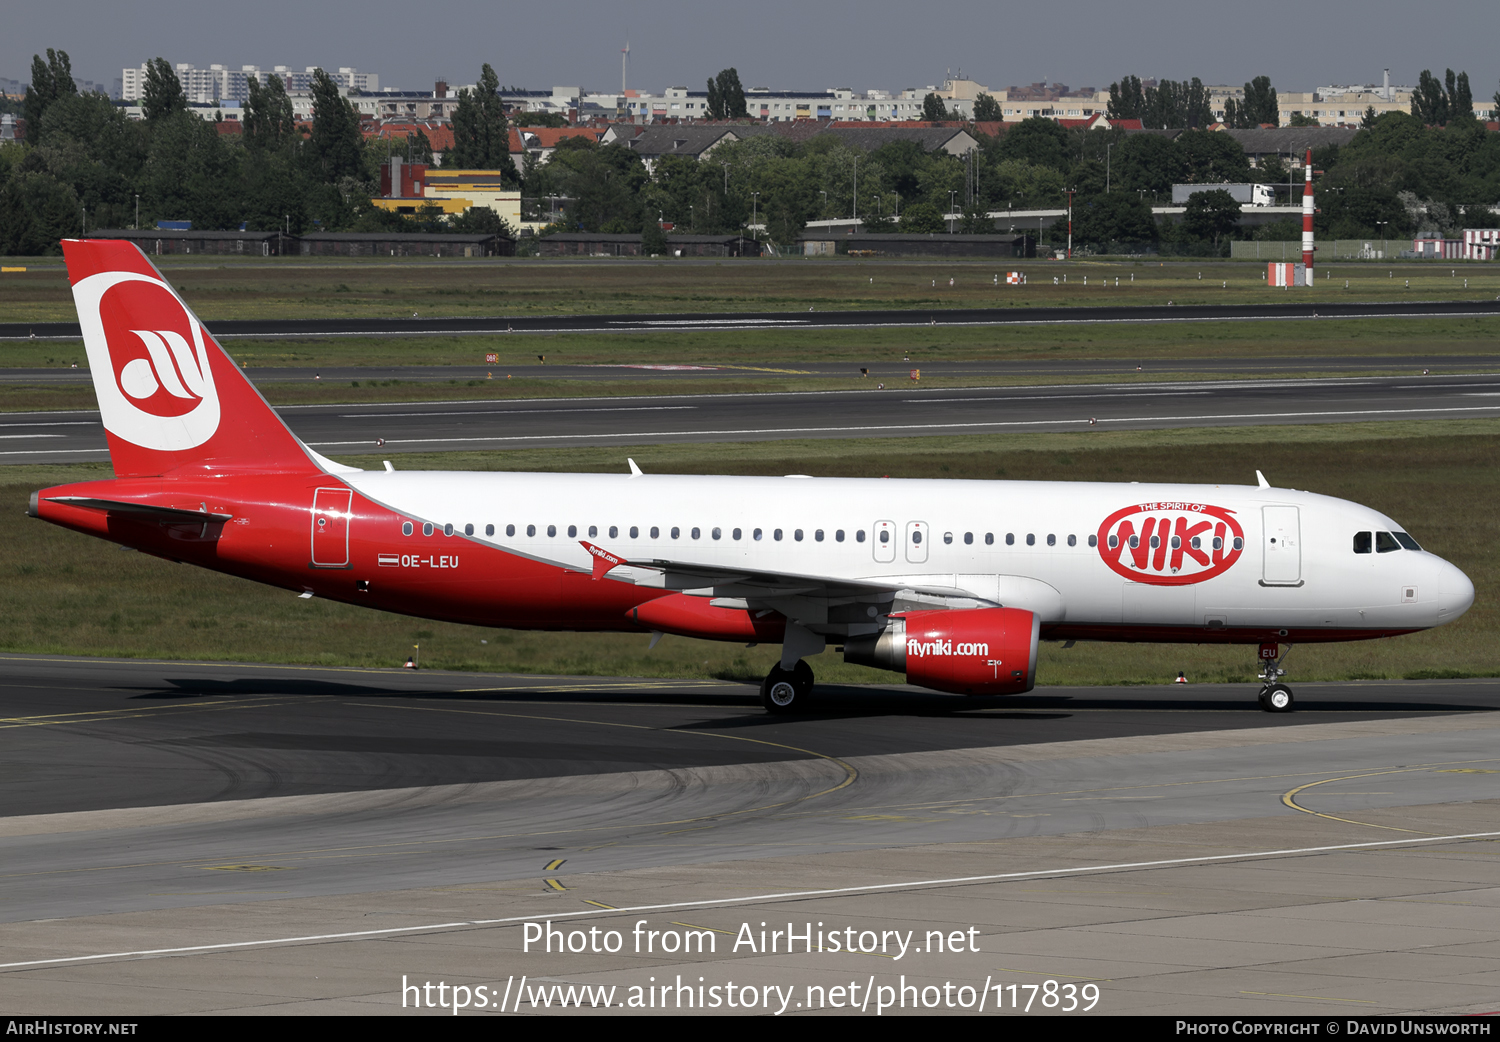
(754, 898)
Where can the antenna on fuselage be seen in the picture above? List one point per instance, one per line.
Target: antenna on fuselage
(635, 471)
(1261, 480)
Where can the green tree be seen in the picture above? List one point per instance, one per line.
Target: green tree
(50, 80)
(337, 143)
(1037, 140)
(269, 123)
(481, 136)
(922, 219)
(1211, 216)
(1300, 119)
(1127, 100)
(726, 97)
(539, 119)
(653, 240)
(1436, 103)
(933, 109)
(1260, 105)
(1171, 105)
(162, 94)
(986, 109)
(1113, 217)
(1208, 157)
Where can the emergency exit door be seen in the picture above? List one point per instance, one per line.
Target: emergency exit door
(330, 527)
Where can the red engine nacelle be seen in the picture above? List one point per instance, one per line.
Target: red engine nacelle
(980, 651)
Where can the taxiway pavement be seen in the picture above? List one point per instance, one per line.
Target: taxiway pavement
(300, 839)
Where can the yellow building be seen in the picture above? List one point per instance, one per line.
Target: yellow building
(455, 191)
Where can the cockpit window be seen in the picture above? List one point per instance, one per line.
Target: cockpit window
(1385, 543)
(1406, 540)
(1364, 542)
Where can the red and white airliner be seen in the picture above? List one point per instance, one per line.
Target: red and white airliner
(951, 582)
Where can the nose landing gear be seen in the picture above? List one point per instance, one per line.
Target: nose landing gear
(787, 690)
(1274, 697)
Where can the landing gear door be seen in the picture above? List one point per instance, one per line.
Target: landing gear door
(330, 527)
(884, 534)
(1281, 543)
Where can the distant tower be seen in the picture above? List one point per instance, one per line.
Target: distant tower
(1307, 219)
(624, 60)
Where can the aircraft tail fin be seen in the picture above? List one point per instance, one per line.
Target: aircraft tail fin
(168, 394)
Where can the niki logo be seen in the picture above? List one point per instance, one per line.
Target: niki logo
(1171, 544)
(159, 393)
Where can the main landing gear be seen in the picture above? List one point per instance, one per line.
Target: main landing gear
(1275, 697)
(787, 690)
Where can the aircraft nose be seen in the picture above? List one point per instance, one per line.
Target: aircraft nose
(1455, 593)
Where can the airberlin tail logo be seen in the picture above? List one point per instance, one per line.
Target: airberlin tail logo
(1171, 544)
(150, 361)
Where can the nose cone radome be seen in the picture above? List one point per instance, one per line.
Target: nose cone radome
(1455, 593)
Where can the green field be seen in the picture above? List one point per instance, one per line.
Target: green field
(226, 288)
(64, 593)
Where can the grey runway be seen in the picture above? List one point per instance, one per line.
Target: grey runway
(878, 370)
(302, 838)
(491, 769)
(828, 319)
(901, 410)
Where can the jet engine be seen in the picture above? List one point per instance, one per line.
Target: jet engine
(978, 651)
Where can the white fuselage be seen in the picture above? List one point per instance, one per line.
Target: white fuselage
(1014, 543)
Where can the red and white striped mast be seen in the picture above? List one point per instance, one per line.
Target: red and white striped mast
(1307, 219)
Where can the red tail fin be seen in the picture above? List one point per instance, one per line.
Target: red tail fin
(168, 394)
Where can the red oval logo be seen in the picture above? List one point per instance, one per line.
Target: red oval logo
(1170, 543)
(151, 346)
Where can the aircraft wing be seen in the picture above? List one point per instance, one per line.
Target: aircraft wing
(674, 574)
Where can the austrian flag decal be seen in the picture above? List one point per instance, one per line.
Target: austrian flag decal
(1171, 544)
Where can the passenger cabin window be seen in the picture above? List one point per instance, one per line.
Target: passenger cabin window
(468, 529)
(510, 529)
(776, 535)
(448, 529)
(1364, 542)
(551, 531)
(968, 538)
(593, 531)
(531, 529)
(885, 537)
(1051, 539)
(838, 536)
(1030, 539)
(859, 537)
(614, 531)
(635, 532)
(1010, 539)
(489, 529)
(1093, 540)
(947, 538)
(572, 531)
(406, 528)
(989, 539)
(1072, 540)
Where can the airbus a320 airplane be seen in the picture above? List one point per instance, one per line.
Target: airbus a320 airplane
(951, 582)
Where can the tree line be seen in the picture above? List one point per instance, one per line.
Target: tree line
(84, 165)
